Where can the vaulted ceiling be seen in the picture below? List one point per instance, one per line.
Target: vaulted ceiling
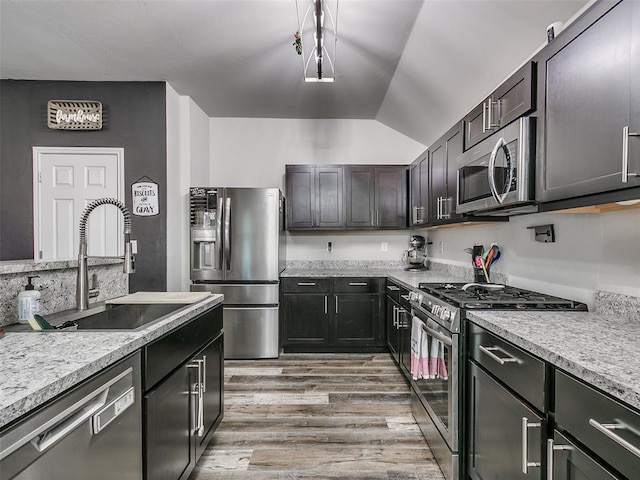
(414, 65)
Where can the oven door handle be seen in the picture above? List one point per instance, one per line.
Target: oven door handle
(437, 335)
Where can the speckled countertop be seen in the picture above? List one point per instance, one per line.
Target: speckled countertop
(409, 279)
(37, 366)
(600, 349)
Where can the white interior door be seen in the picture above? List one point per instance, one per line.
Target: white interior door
(66, 180)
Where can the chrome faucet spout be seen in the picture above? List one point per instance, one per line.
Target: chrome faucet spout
(82, 282)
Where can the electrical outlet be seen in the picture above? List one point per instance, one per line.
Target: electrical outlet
(441, 246)
(329, 246)
(384, 247)
(134, 247)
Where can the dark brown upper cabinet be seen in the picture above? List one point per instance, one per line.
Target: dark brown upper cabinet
(419, 191)
(314, 197)
(589, 126)
(443, 156)
(511, 100)
(375, 197)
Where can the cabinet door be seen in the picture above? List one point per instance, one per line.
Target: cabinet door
(418, 190)
(301, 196)
(497, 433)
(587, 106)
(391, 197)
(360, 198)
(357, 320)
(404, 332)
(572, 463)
(212, 357)
(475, 128)
(453, 147)
(328, 187)
(305, 319)
(515, 97)
(168, 423)
(393, 333)
(438, 180)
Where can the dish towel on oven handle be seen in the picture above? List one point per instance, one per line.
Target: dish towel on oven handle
(437, 365)
(419, 350)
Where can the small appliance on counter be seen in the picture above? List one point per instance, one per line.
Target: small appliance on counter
(415, 257)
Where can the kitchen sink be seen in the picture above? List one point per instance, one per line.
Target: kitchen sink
(114, 317)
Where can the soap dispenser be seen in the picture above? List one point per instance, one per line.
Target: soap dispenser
(28, 301)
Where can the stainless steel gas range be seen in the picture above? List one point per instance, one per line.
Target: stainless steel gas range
(439, 310)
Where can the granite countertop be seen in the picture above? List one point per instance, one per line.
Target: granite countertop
(409, 279)
(25, 266)
(37, 366)
(598, 348)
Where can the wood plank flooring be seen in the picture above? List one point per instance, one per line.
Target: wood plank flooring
(317, 416)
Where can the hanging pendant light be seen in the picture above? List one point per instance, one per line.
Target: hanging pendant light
(322, 35)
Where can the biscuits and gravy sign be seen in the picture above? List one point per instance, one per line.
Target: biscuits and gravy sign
(145, 199)
(74, 115)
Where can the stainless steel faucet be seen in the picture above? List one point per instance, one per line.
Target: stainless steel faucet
(82, 282)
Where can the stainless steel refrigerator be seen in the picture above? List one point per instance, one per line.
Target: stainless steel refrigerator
(237, 249)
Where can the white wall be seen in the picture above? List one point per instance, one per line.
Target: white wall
(250, 152)
(187, 165)
(592, 252)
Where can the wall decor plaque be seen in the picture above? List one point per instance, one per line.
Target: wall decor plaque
(144, 195)
(74, 115)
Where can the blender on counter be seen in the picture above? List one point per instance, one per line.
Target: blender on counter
(415, 257)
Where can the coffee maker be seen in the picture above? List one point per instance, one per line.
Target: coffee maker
(415, 257)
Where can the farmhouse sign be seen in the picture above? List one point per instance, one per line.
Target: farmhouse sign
(74, 115)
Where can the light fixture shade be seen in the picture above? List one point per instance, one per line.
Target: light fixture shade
(318, 32)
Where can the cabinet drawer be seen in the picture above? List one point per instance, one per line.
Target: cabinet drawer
(356, 285)
(306, 285)
(393, 290)
(176, 347)
(607, 427)
(519, 370)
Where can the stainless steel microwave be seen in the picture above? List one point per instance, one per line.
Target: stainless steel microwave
(496, 176)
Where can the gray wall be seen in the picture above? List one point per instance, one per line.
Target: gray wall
(134, 118)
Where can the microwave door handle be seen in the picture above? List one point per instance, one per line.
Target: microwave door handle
(491, 171)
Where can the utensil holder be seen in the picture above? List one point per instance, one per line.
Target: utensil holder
(478, 275)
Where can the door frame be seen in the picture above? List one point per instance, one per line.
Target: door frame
(39, 152)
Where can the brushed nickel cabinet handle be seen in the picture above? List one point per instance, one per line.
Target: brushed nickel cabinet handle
(501, 360)
(625, 154)
(325, 305)
(358, 284)
(606, 429)
(306, 284)
(526, 425)
(551, 448)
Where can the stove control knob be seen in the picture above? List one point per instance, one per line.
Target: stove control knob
(446, 314)
(435, 309)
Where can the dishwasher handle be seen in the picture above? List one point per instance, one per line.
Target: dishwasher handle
(55, 429)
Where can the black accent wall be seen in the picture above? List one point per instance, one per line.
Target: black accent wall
(133, 118)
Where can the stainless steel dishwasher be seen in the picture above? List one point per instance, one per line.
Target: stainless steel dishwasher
(92, 431)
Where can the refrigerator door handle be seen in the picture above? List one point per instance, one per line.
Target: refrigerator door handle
(219, 253)
(227, 233)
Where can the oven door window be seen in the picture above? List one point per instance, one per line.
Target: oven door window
(437, 390)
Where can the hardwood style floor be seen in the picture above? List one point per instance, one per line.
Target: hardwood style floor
(317, 416)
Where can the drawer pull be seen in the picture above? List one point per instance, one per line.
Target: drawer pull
(606, 429)
(393, 288)
(358, 284)
(526, 425)
(501, 360)
(551, 448)
(306, 284)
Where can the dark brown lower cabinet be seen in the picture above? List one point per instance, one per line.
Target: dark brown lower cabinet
(332, 314)
(504, 434)
(182, 410)
(569, 462)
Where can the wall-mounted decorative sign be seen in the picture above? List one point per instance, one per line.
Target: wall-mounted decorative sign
(74, 115)
(144, 195)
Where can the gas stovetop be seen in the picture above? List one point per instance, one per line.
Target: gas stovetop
(497, 297)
